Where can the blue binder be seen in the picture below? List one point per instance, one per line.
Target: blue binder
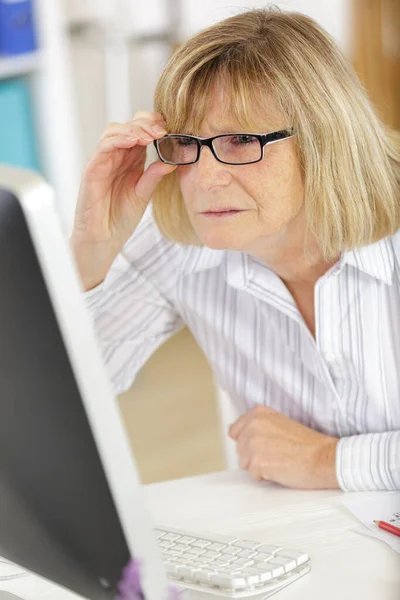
(17, 136)
(17, 31)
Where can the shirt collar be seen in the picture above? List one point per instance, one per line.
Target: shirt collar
(201, 259)
(375, 259)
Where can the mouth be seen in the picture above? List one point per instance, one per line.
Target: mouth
(222, 213)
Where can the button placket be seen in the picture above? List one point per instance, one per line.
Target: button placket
(328, 333)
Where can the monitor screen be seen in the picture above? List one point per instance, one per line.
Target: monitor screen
(57, 515)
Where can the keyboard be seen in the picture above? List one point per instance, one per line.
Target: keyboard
(226, 565)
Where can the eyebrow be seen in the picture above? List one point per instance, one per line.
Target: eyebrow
(237, 129)
(226, 130)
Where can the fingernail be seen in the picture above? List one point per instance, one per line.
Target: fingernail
(159, 130)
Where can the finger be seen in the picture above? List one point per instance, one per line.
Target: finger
(257, 412)
(118, 141)
(141, 118)
(244, 462)
(149, 124)
(143, 130)
(151, 178)
(243, 454)
(147, 114)
(238, 426)
(255, 471)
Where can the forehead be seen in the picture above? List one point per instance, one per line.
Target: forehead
(258, 113)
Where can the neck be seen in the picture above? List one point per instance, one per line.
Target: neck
(296, 260)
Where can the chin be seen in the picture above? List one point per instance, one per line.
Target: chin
(217, 239)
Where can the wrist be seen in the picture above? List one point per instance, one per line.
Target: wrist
(325, 463)
(92, 262)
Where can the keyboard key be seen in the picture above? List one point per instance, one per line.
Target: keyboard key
(275, 570)
(261, 557)
(200, 559)
(216, 547)
(212, 555)
(187, 572)
(269, 549)
(186, 540)
(170, 568)
(171, 553)
(226, 580)
(246, 554)
(195, 551)
(223, 539)
(163, 544)
(299, 557)
(180, 547)
(242, 562)
(171, 537)
(247, 545)
(250, 578)
(231, 550)
(203, 576)
(176, 561)
(218, 563)
(287, 563)
(159, 534)
(201, 543)
(262, 573)
(185, 557)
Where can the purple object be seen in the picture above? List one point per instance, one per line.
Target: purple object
(130, 588)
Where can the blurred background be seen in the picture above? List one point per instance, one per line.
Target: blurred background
(69, 67)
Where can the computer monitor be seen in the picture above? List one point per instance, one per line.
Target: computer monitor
(71, 505)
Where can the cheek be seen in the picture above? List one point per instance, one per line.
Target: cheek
(279, 190)
(186, 184)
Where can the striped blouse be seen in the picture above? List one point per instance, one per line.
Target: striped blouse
(345, 382)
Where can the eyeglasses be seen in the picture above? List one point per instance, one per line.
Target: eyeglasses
(230, 149)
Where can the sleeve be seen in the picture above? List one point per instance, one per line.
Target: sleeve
(132, 316)
(369, 461)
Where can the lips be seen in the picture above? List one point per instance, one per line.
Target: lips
(220, 214)
(221, 210)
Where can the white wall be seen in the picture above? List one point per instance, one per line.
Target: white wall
(333, 15)
(146, 64)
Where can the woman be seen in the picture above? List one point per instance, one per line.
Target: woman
(272, 236)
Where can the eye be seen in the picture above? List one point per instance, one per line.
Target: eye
(185, 141)
(243, 139)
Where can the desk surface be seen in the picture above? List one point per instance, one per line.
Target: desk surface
(345, 564)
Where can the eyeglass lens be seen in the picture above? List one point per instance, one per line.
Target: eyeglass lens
(235, 149)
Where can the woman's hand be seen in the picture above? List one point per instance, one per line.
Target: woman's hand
(114, 193)
(273, 447)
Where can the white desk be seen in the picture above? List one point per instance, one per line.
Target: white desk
(345, 564)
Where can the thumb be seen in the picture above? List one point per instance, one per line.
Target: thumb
(233, 431)
(151, 178)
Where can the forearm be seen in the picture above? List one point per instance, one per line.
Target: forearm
(93, 261)
(369, 462)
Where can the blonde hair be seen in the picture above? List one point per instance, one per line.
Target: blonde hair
(350, 161)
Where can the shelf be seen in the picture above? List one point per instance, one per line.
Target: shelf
(12, 66)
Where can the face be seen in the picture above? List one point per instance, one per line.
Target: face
(245, 207)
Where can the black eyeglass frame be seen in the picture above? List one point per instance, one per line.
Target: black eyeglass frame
(263, 138)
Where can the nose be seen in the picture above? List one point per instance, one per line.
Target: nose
(210, 172)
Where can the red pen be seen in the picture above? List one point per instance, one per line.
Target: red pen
(388, 527)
